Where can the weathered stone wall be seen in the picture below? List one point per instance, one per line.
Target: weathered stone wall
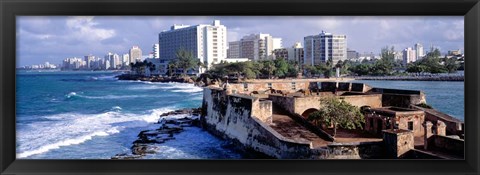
(299, 105)
(247, 88)
(304, 103)
(356, 150)
(454, 126)
(418, 119)
(287, 103)
(373, 121)
(262, 109)
(446, 144)
(398, 142)
(372, 100)
(231, 117)
(400, 98)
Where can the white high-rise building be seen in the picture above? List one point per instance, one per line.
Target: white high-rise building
(409, 55)
(125, 59)
(73, 63)
(116, 63)
(233, 49)
(259, 46)
(156, 51)
(89, 59)
(135, 54)
(419, 52)
(323, 47)
(277, 43)
(109, 57)
(207, 42)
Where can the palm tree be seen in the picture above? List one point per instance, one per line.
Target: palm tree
(172, 66)
(200, 65)
(185, 60)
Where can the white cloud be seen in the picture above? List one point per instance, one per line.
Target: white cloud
(84, 28)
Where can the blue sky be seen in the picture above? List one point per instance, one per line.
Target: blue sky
(54, 38)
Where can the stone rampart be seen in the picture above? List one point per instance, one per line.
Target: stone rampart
(244, 120)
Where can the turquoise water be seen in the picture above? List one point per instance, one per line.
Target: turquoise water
(91, 115)
(445, 96)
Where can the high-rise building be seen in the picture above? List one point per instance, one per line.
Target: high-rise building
(116, 63)
(73, 63)
(125, 59)
(109, 57)
(135, 54)
(207, 42)
(258, 46)
(409, 55)
(398, 55)
(419, 52)
(233, 50)
(277, 43)
(89, 59)
(294, 53)
(323, 47)
(156, 51)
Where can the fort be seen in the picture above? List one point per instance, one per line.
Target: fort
(270, 117)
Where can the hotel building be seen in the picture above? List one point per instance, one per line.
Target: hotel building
(135, 54)
(233, 50)
(258, 46)
(208, 42)
(409, 55)
(323, 47)
(156, 51)
(419, 51)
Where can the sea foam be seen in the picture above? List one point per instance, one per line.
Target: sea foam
(73, 128)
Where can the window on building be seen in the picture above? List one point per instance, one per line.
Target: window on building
(245, 87)
(410, 126)
(269, 85)
(293, 86)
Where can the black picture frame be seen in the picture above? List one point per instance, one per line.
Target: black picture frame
(11, 8)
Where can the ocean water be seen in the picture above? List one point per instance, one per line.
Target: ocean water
(445, 96)
(91, 115)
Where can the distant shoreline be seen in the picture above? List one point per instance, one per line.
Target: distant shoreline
(413, 78)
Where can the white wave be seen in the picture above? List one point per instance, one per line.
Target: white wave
(193, 90)
(117, 108)
(111, 77)
(73, 128)
(71, 94)
(67, 142)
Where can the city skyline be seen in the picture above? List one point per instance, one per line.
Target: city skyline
(42, 39)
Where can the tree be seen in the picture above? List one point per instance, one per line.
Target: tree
(172, 67)
(185, 60)
(281, 66)
(451, 64)
(268, 68)
(337, 113)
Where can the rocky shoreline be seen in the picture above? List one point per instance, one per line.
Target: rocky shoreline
(413, 78)
(155, 78)
(169, 127)
(202, 81)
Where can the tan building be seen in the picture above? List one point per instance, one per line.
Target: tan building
(379, 119)
(135, 53)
